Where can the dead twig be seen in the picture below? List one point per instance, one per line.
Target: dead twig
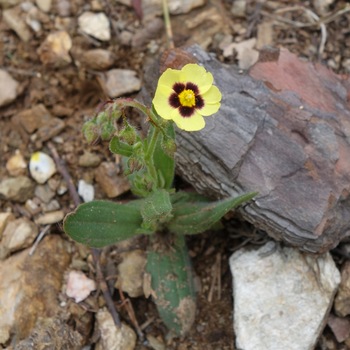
(95, 252)
(216, 279)
(130, 310)
(39, 238)
(313, 19)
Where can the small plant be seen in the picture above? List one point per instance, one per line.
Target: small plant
(166, 216)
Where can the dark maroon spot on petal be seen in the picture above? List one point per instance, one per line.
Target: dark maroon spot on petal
(186, 111)
(193, 87)
(179, 87)
(174, 100)
(199, 102)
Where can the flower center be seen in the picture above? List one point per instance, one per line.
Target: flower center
(187, 98)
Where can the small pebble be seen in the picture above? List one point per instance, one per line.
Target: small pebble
(41, 167)
(96, 25)
(50, 218)
(79, 286)
(86, 191)
(16, 165)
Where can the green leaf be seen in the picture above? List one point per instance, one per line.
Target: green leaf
(164, 163)
(156, 208)
(172, 284)
(196, 217)
(101, 223)
(118, 147)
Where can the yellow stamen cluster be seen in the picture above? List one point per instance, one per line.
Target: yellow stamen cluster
(187, 98)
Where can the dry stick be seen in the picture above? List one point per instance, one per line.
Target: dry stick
(131, 313)
(39, 238)
(95, 252)
(169, 32)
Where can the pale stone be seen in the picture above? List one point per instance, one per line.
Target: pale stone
(89, 159)
(14, 20)
(131, 270)
(79, 286)
(16, 165)
(41, 167)
(86, 191)
(50, 218)
(29, 286)
(112, 337)
(18, 234)
(44, 193)
(9, 94)
(96, 25)
(281, 297)
(44, 5)
(119, 82)
(5, 218)
(54, 50)
(18, 189)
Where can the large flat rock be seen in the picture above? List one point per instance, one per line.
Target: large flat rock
(283, 130)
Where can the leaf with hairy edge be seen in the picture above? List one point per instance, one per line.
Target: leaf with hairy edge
(100, 223)
(118, 147)
(191, 218)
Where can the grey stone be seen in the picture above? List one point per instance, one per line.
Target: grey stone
(281, 297)
(118, 82)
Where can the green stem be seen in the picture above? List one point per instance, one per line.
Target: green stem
(150, 150)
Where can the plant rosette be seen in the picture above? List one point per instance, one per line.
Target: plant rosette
(184, 97)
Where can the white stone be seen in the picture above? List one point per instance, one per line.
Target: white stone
(112, 337)
(41, 167)
(86, 191)
(281, 297)
(9, 94)
(79, 286)
(96, 25)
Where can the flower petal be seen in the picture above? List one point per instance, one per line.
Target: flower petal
(213, 95)
(210, 109)
(194, 123)
(169, 77)
(161, 102)
(198, 75)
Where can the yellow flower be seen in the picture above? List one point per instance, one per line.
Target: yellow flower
(186, 95)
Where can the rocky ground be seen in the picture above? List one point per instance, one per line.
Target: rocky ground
(60, 59)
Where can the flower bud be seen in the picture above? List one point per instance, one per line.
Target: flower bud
(91, 131)
(128, 134)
